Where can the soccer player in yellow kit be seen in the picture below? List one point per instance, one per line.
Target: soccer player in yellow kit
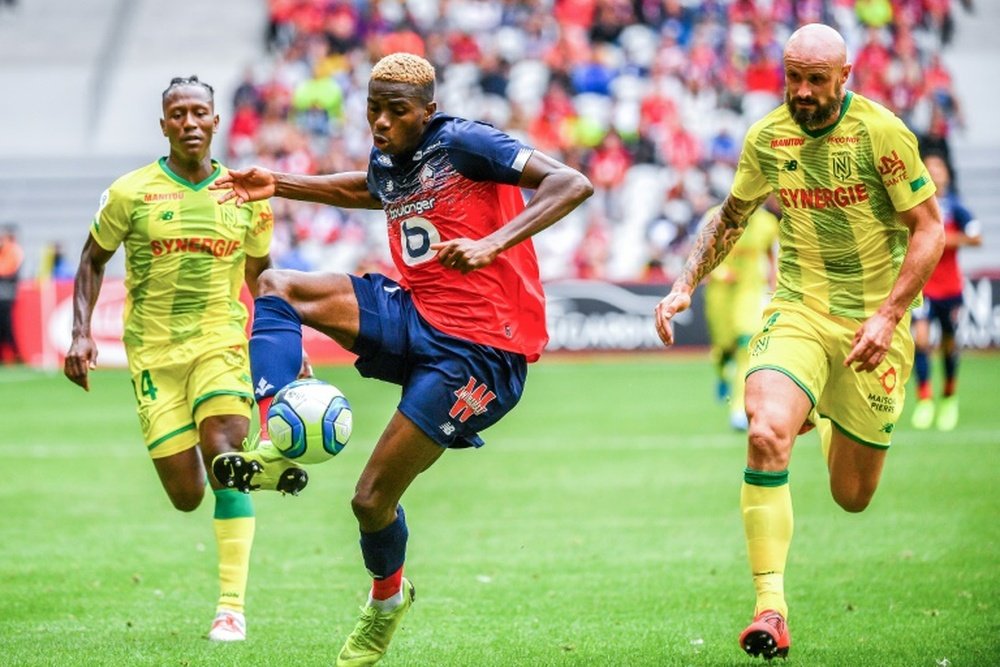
(186, 258)
(860, 233)
(734, 299)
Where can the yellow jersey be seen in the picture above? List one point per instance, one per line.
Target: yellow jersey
(840, 238)
(184, 254)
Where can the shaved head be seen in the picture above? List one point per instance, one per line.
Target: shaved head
(816, 70)
(815, 43)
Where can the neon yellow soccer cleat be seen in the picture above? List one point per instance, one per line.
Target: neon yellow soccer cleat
(947, 418)
(923, 414)
(371, 636)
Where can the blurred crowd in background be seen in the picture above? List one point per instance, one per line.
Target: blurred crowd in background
(649, 98)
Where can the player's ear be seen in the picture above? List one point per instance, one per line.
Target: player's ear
(429, 111)
(845, 72)
(163, 127)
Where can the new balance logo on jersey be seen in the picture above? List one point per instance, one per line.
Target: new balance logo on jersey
(263, 386)
(167, 215)
(472, 400)
(791, 165)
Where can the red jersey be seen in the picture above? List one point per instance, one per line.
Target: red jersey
(946, 280)
(461, 182)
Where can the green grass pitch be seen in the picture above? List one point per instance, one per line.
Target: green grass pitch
(599, 526)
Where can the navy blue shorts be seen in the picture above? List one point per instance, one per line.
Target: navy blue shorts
(944, 311)
(452, 388)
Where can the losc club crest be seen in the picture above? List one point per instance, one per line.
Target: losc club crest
(842, 161)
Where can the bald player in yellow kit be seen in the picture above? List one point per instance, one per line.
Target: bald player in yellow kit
(860, 233)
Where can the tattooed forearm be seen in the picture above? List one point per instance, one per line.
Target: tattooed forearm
(717, 238)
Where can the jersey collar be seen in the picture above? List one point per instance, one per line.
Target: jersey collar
(186, 183)
(816, 134)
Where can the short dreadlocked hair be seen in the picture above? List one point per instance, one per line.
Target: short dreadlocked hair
(406, 68)
(192, 80)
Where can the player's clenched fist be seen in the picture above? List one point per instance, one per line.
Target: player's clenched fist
(673, 303)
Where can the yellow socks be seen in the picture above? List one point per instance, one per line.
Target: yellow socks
(766, 503)
(234, 529)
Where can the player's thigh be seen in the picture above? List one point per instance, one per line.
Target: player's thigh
(865, 406)
(162, 404)
(789, 343)
(325, 301)
(220, 398)
(457, 388)
(182, 475)
(776, 407)
(855, 470)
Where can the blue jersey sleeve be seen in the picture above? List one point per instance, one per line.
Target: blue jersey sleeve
(962, 216)
(480, 152)
(370, 179)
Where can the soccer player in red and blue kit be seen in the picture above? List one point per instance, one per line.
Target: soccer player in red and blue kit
(942, 303)
(456, 332)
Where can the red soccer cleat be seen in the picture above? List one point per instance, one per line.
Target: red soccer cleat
(767, 636)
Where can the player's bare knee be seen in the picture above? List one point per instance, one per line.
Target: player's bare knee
(852, 500)
(767, 449)
(367, 507)
(853, 504)
(186, 501)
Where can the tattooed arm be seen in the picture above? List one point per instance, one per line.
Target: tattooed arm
(714, 242)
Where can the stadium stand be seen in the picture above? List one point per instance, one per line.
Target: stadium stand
(674, 83)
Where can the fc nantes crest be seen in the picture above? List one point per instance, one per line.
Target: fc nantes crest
(842, 161)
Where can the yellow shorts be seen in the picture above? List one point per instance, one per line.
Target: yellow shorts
(810, 347)
(732, 312)
(177, 388)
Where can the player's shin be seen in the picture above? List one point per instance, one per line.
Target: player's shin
(922, 368)
(384, 552)
(766, 504)
(234, 531)
(275, 350)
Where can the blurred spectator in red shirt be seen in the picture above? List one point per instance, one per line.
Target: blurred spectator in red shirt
(11, 258)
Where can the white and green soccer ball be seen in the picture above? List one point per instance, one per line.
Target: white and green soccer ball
(309, 421)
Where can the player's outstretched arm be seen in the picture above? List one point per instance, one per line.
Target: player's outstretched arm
(716, 238)
(348, 189)
(873, 338)
(558, 190)
(82, 354)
